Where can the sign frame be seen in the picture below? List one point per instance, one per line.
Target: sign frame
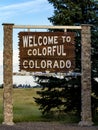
(86, 114)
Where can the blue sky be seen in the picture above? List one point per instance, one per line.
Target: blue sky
(25, 11)
(22, 12)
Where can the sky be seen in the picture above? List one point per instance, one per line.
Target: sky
(22, 12)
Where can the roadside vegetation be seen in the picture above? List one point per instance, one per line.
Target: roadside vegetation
(26, 110)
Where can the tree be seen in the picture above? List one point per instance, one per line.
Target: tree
(59, 95)
(73, 12)
(77, 12)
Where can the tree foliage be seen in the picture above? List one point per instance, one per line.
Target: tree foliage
(65, 94)
(77, 12)
(74, 12)
(57, 94)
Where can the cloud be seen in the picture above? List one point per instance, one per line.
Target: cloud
(29, 80)
(24, 7)
(15, 61)
(15, 57)
(16, 79)
(1, 58)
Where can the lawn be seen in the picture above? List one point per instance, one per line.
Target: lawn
(26, 110)
(24, 107)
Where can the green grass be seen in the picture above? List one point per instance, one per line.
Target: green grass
(25, 109)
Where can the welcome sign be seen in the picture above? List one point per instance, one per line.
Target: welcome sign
(46, 51)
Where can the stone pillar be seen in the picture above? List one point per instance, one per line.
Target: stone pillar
(86, 115)
(8, 74)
